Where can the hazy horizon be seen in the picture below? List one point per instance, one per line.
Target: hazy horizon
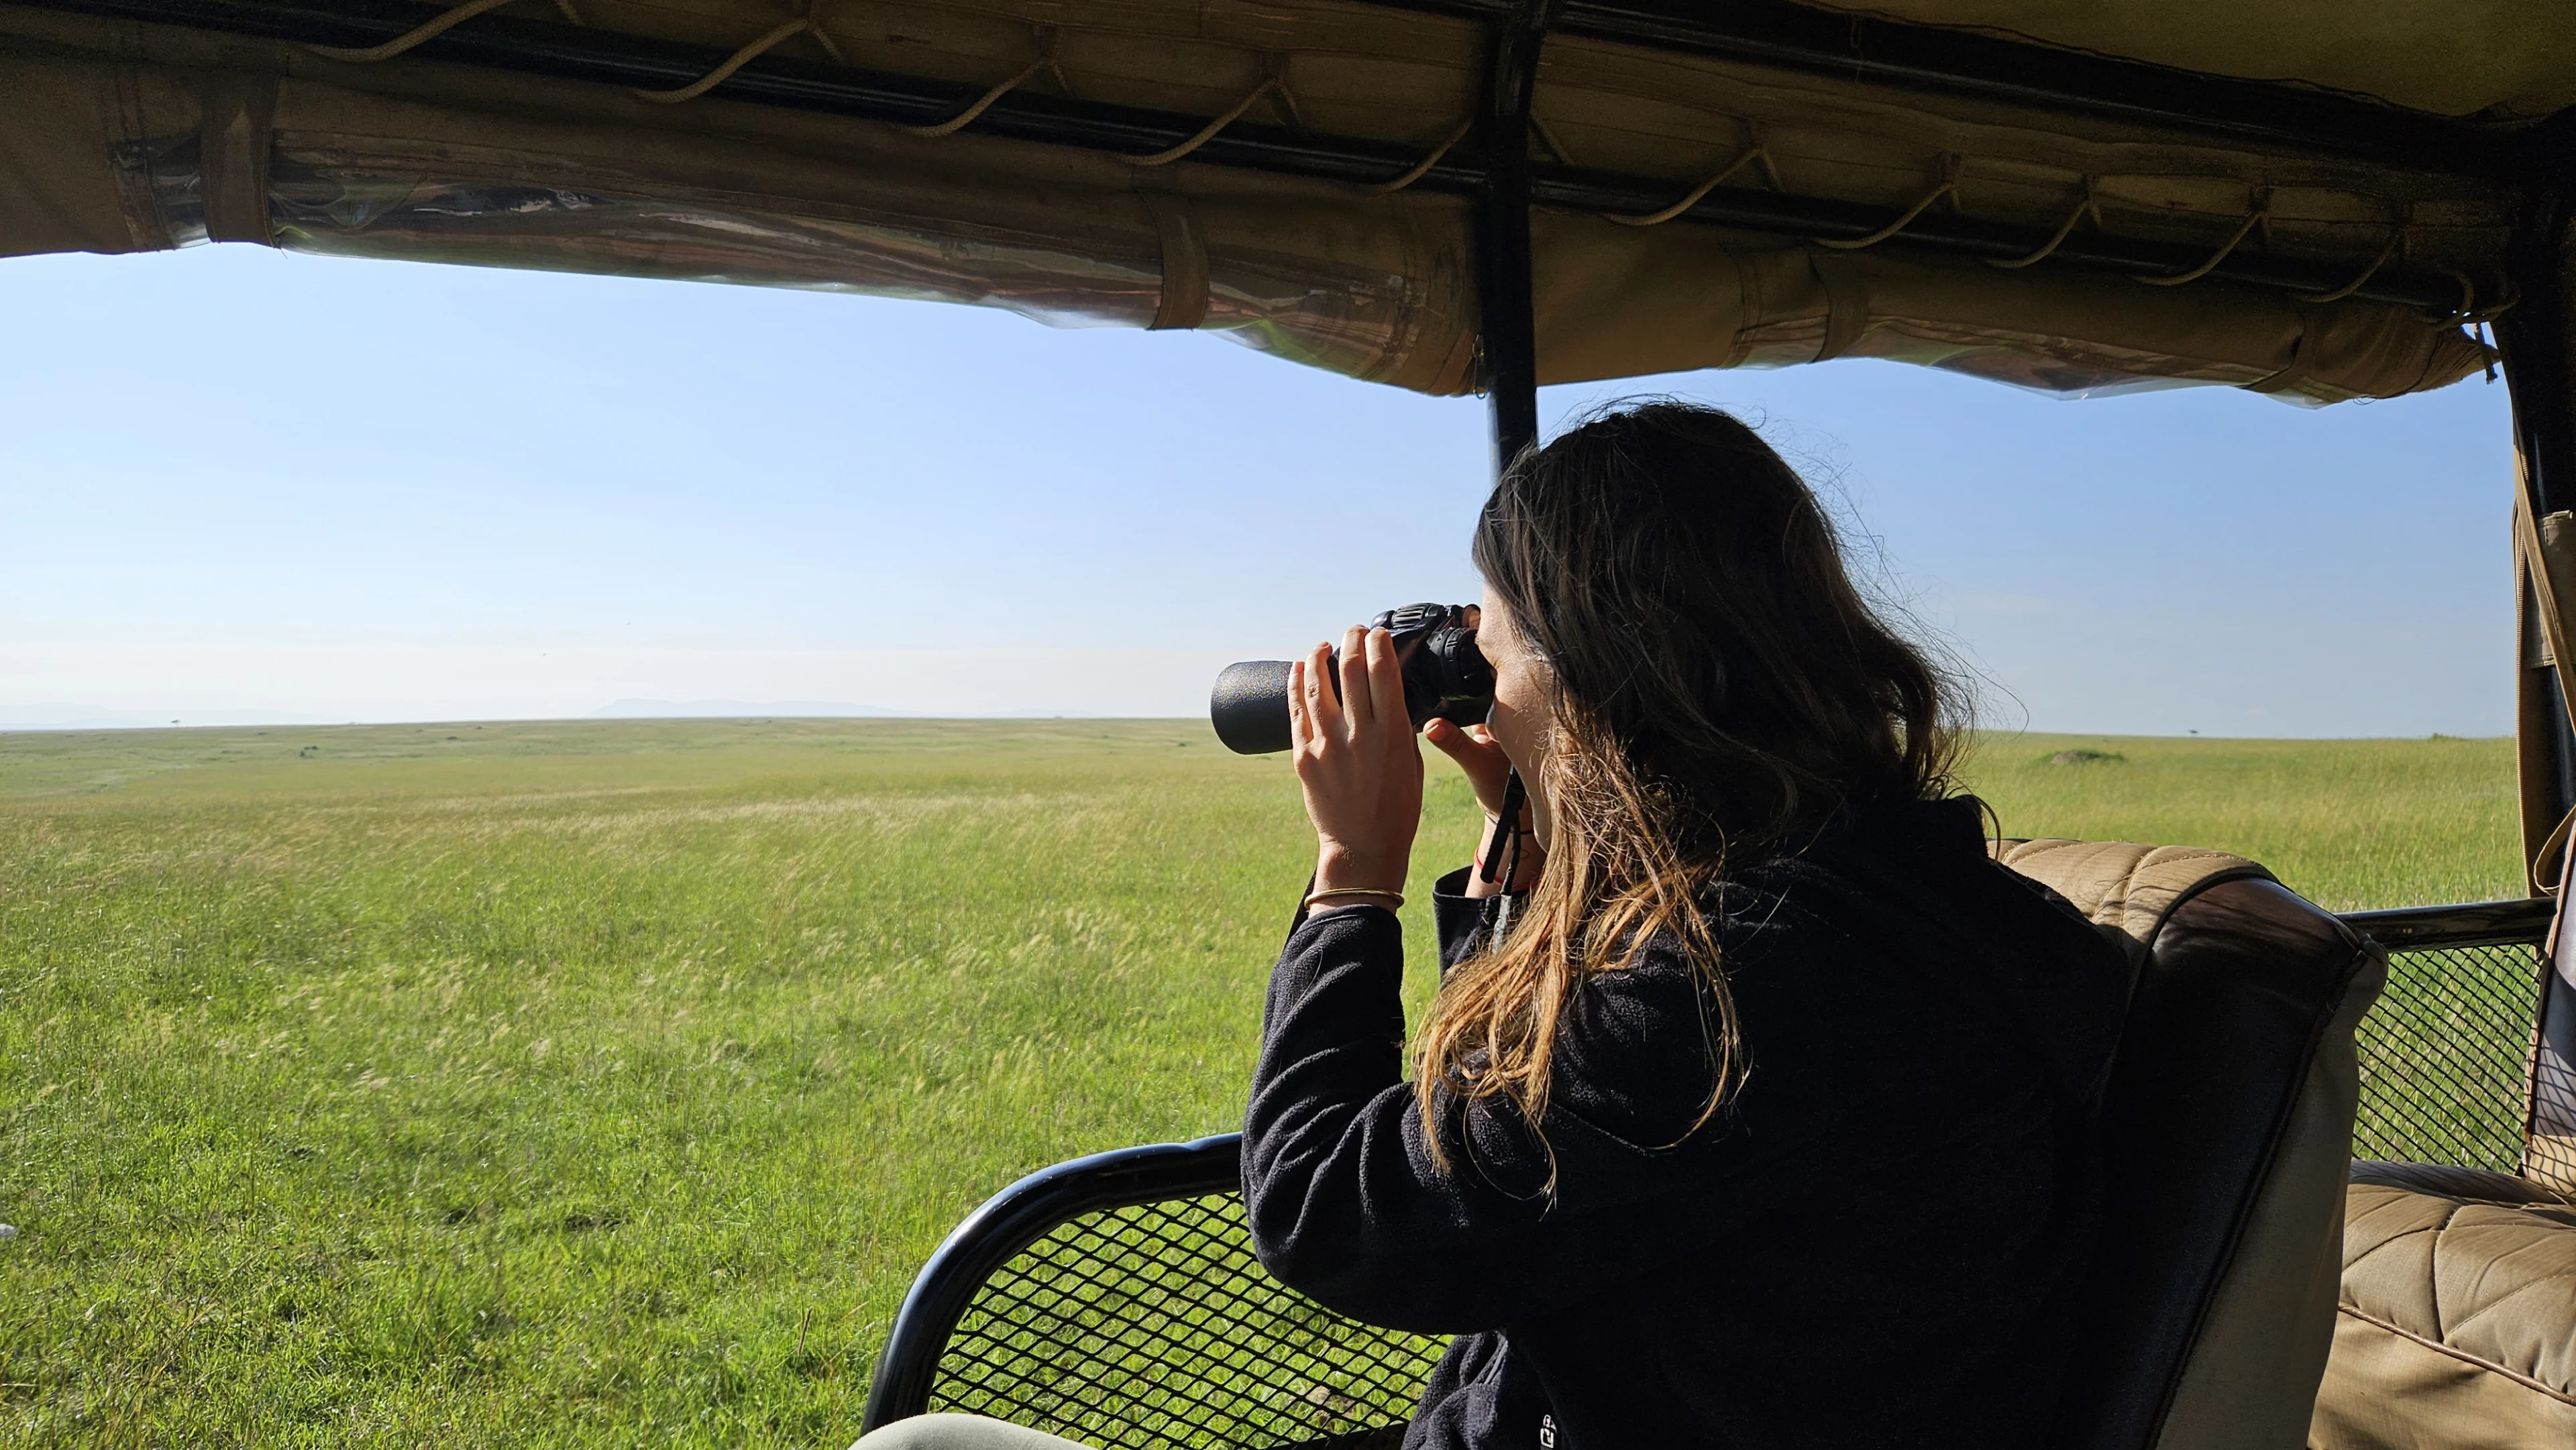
(180, 724)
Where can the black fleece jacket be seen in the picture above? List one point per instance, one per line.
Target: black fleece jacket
(1875, 1242)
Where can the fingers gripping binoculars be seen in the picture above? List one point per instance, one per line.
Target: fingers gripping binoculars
(1445, 678)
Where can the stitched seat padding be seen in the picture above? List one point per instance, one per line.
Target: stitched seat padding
(2121, 886)
(2227, 1128)
(2457, 1322)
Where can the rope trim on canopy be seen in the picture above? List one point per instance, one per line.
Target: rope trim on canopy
(1946, 188)
(1555, 147)
(2089, 206)
(2262, 214)
(422, 33)
(2396, 244)
(1274, 83)
(1692, 199)
(1423, 167)
(965, 118)
(807, 24)
(1208, 132)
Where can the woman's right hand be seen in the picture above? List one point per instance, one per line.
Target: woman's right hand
(1477, 754)
(1487, 768)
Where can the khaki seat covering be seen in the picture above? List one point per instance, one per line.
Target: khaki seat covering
(2121, 886)
(2227, 1129)
(2457, 1328)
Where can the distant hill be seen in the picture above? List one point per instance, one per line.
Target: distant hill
(698, 709)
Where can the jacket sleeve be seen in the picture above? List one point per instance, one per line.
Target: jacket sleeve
(1347, 1204)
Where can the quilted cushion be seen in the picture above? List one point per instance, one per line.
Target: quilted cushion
(2457, 1328)
(2228, 1124)
(2121, 886)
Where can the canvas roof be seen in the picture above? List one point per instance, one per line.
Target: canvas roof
(788, 144)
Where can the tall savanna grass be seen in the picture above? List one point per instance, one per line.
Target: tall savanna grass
(604, 1084)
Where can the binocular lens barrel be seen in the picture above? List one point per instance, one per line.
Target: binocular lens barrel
(1249, 707)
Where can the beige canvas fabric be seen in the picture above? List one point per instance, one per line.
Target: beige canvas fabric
(2456, 1328)
(1374, 73)
(1610, 302)
(60, 124)
(2513, 58)
(98, 119)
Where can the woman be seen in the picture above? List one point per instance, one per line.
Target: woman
(1755, 1106)
(1758, 1113)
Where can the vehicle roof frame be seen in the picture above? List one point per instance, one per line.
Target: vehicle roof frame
(2327, 124)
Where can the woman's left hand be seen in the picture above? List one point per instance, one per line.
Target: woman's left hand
(1357, 761)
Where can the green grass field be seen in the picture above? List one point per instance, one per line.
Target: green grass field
(604, 1084)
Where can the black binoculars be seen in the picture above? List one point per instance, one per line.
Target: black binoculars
(1445, 678)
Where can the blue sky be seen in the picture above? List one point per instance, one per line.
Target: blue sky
(237, 483)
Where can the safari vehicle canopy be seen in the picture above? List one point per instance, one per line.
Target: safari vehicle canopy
(2320, 203)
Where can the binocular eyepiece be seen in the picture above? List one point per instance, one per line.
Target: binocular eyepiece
(1445, 678)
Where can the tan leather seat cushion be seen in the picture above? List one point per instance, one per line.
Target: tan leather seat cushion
(2248, 1378)
(2121, 886)
(2457, 1328)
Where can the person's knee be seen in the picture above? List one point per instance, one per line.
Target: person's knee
(958, 1432)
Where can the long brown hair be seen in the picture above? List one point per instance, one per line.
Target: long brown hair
(1721, 693)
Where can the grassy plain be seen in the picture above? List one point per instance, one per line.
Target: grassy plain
(604, 1083)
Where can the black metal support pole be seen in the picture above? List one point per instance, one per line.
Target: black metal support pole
(2540, 371)
(1509, 333)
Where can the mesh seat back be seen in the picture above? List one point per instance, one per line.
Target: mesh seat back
(2226, 1130)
